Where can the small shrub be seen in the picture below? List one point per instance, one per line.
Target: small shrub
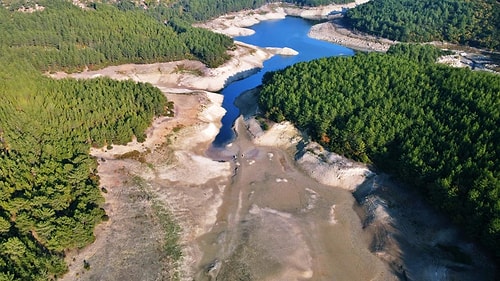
(86, 264)
(177, 128)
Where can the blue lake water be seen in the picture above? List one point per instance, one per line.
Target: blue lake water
(289, 32)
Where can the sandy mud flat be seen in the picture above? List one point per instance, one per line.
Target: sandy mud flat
(397, 226)
(277, 223)
(270, 206)
(334, 31)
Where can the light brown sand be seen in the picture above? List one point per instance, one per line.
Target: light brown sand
(131, 241)
(402, 230)
(257, 217)
(333, 31)
(276, 223)
(185, 75)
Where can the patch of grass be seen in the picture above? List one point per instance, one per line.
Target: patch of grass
(263, 123)
(177, 128)
(135, 155)
(181, 68)
(171, 229)
(169, 109)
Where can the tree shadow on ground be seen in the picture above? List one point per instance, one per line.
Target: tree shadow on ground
(415, 240)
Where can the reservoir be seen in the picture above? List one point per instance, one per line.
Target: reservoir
(275, 222)
(290, 32)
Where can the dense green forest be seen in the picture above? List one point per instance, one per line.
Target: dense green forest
(475, 23)
(49, 195)
(435, 127)
(64, 36)
(200, 10)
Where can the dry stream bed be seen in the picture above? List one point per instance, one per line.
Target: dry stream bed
(270, 206)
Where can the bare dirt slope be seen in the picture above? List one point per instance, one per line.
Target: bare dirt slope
(412, 239)
(159, 179)
(277, 223)
(185, 74)
(253, 213)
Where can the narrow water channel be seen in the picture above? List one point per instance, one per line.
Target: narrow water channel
(290, 32)
(276, 223)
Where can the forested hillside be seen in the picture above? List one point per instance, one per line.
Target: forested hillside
(49, 195)
(65, 36)
(435, 127)
(68, 37)
(206, 9)
(475, 23)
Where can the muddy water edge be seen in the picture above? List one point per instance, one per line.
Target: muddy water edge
(276, 223)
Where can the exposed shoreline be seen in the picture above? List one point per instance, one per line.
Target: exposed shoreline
(236, 24)
(175, 170)
(334, 31)
(186, 83)
(404, 231)
(185, 75)
(167, 172)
